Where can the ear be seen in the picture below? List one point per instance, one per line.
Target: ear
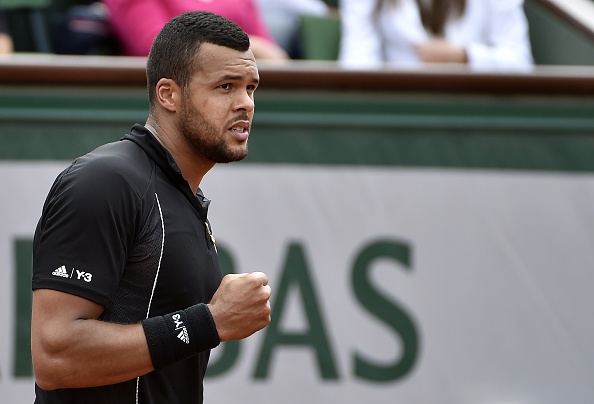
(168, 94)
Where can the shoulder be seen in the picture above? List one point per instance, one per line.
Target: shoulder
(112, 166)
(114, 176)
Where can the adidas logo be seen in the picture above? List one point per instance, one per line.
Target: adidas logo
(183, 335)
(61, 272)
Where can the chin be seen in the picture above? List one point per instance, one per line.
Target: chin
(229, 158)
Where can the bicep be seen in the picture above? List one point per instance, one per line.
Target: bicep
(53, 321)
(55, 306)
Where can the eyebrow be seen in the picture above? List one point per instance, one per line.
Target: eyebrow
(234, 77)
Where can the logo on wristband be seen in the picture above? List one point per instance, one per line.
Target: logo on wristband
(179, 325)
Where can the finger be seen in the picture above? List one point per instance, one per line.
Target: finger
(233, 276)
(262, 277)
(264, 294)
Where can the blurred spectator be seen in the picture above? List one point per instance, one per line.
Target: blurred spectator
(283, 18)
(83, 29)
(136, 23)
(481, 33)
(6, 45)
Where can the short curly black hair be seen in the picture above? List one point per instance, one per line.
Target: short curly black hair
(173, 53)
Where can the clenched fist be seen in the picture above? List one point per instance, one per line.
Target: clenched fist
(241, 305)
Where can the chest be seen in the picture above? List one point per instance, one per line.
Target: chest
(189, 271)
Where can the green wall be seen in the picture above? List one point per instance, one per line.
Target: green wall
(327, 127)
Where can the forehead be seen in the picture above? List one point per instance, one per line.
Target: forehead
(216, 62)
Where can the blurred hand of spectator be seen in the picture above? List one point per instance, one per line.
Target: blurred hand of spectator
(6, 44)
(482, 33)
(440, 51)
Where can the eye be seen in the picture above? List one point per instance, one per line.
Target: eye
(226, 86)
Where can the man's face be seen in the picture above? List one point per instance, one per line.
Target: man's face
(218, 106)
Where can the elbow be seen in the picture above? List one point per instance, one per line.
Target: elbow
(43, 385)
(45, 376)
(49, 365)
(47, 370)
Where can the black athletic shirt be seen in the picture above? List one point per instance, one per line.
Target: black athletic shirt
(121, 227)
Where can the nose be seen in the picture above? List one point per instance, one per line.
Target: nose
(245, 102)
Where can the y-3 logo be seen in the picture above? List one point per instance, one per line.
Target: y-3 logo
(179, 325)
(85, 276)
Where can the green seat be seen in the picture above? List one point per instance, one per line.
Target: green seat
(32, 4)
(320, 37)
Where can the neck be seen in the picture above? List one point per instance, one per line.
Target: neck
(192, 168)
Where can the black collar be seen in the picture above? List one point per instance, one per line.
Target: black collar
(164, 160)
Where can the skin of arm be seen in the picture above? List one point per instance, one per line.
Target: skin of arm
(441, 51)
(71, 348)
(507, 43)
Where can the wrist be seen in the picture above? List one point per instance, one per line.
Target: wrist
(179, 335)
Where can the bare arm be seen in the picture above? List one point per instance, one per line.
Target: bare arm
(441, 51)
(71, 348)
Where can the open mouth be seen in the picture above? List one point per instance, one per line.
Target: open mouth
(240, 130)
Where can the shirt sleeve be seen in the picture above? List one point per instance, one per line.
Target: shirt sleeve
(137, 23)
(361, 43)
(508, 42)
(88, 222)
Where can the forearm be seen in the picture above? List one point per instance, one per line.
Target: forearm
(441, 51)
(89, 353)
(71, 348)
